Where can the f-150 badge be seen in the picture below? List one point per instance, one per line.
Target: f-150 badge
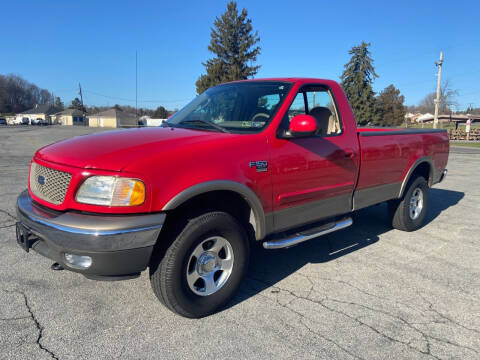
(261, 166)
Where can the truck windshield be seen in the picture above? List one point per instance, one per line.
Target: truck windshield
(243, 107)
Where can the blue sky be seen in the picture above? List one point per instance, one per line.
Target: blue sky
(56, 44)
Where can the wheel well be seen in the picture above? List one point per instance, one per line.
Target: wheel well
(422, 169)
(222, 200)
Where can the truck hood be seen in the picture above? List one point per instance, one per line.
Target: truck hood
(115, 150)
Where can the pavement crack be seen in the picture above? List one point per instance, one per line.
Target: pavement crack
(445, 317)
(302, 317)
(408, 324)
(390, 338)
(15, 318)
(427, 337)
(8, 214)
(343, 282)
(6, 226)
(37, 324)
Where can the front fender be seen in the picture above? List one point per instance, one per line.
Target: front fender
(225, 185)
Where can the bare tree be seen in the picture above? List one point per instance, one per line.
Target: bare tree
(17, 94)
(447, 100)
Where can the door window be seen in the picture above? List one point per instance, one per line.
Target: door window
(319, 103)
(297, 107)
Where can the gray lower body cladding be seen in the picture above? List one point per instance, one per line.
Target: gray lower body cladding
(118, 245)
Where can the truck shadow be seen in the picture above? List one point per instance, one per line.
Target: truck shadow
(268, 267)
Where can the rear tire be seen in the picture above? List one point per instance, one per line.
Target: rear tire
(203, 267)
(408, 212)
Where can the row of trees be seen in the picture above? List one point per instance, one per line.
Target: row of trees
(17, 95)
(159, 113)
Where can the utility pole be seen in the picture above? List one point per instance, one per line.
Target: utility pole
(439, 79)
(81, 101)
(80, 93)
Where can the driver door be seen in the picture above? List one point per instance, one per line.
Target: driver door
(314, 177)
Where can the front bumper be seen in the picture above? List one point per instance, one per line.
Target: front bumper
(119, 245)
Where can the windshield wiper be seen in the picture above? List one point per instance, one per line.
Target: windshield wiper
(213, 125)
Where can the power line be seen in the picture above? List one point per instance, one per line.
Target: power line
(141, 101)
(402, 59)
(454, 76)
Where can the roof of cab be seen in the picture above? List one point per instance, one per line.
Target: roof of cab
(288, 79)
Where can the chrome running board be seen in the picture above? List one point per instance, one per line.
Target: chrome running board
(307, 235)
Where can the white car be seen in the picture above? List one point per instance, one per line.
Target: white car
(37, 121)
(17, 121)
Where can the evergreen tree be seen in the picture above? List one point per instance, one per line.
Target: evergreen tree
(160, 113)
(59, 103)
(233, 42)
(357, 79)
(76, 104)
(389, 107)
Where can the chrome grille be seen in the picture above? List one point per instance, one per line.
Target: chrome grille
(55, 183)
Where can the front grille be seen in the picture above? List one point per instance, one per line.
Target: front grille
(49, 184)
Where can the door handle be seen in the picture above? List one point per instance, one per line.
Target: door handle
(349, 154)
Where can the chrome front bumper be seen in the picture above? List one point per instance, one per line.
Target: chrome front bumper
(118, 244)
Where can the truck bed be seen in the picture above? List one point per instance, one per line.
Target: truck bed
(386, 156)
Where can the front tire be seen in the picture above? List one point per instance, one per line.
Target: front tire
(203, 267)
(408, 212)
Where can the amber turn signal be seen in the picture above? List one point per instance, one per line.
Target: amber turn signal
(128, 192)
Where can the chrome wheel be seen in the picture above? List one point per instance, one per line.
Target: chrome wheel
(210, 265)
(416, 203)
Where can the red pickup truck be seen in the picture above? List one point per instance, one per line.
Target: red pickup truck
(276, 161)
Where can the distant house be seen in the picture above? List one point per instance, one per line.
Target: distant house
(69, 117)
(112, 118)
(425, 118)
(148, 121)
(412, 117)
(44, 112)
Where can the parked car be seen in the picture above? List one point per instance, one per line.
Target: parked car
(276, 162)
(37, 121)
(3, 121)
(26, 121)
(17, 121)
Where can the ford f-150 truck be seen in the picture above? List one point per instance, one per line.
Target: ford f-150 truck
(274, 161)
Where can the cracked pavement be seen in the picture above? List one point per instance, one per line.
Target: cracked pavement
(366, 292)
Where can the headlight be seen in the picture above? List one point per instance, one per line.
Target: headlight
(111, 191)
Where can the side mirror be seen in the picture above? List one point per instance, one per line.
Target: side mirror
(302, 125)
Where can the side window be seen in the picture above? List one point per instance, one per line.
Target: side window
(321, 106)
(297, 107)
(318, 98)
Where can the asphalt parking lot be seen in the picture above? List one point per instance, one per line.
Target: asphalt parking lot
(367, 292)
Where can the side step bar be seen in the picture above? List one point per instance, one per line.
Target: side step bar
(308, 235)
